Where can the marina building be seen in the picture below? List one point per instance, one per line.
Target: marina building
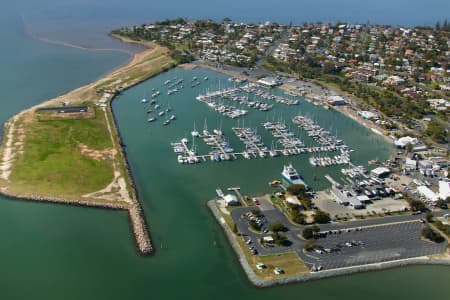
(380, 172)
(269, 82)
(428, 194)
(403, 141)
(336, 100)
(348, 197)
(230, 200)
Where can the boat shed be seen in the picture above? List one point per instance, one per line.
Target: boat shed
(269, 82)
(428, 194)
(336, 100)
(345, 198)
(380, 172)
(230, 200)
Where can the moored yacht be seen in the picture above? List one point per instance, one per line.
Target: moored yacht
(291, 175)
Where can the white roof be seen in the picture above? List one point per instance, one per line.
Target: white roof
(403, 141)
(292, 200)
(230, 198)
(427, 193)
(362, 198)
(268, 238)
(380, 171)
(335, 98)
(444, 189)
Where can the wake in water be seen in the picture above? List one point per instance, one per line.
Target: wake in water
(68, 44)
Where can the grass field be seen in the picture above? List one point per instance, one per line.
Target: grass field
(68, 157)
(52, 163)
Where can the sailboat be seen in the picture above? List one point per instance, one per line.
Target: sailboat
(195, 133)
(205, 129)
(144, 100)
(272, 152)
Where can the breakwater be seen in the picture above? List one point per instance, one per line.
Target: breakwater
(136, 214)
(257, 281)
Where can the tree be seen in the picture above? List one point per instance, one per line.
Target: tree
(309, 232)
(298, 217)
(417, 205)
(296, 189)
(429, 217)
(429, 233)
(321, 217)
(254, 225)
(442, 204)
(280, 239)
(235, 229)
(277, 227)
(436, 132)
(256, 212)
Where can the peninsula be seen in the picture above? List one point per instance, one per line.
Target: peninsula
(68, 150)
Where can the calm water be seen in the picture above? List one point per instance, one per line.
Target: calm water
(57, 252)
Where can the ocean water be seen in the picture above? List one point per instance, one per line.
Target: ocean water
(60, 252)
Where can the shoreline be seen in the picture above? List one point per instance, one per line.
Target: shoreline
(255, 280)
(136, 215)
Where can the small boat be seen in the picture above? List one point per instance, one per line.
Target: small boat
(157, 106)
(172, 117)
(149, 110)
(144, 100)
(161, 113)
(166, 122)
(151, 119)
(205, 78)
(274, 183)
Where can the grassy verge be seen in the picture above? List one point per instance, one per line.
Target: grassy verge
(52, 163)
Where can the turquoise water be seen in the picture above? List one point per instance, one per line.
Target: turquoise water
(59, 252)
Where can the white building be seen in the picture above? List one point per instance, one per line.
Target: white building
(444, 189)
(368, 115)
(230, 200)
(380, 172)
(403, 141)
(269, 81)
(428, 194)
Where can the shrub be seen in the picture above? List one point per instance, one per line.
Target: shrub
(309, 232)
(321, 217)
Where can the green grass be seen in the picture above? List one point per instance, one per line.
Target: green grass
(52, 164)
